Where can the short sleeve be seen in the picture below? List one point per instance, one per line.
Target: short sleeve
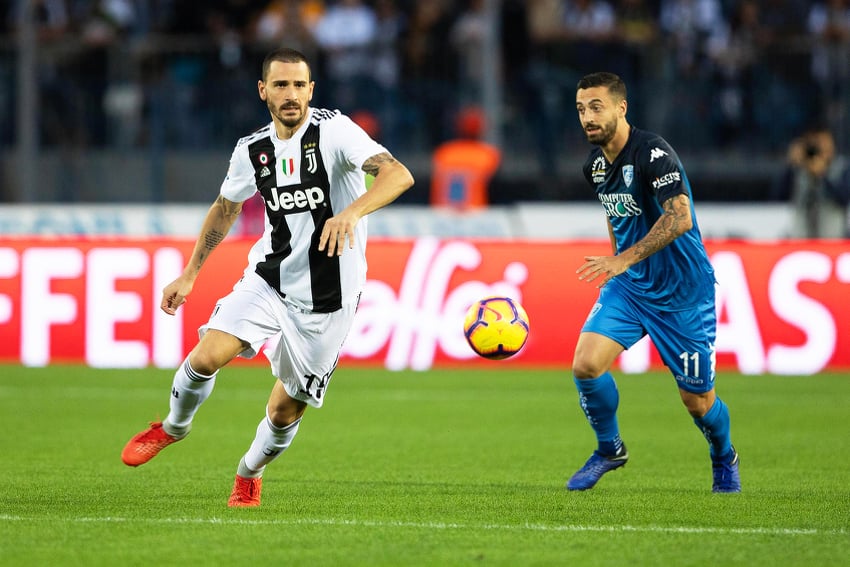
(239, 185)
(350, 142)
(663, 170)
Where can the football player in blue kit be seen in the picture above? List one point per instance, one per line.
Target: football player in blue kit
(658, 282)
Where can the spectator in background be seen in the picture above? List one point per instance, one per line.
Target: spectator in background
(104, 25)
(588, 28)
(386, 71)
(634, 51)
(467, 38)
(462, 168)
(60, 122)
(816, 183)
(829, 26)
(172, 83)
(577, 33)
(686, 28)
(428, 80)
(52, 17)
(62, 93)
(288, 21)
(785, 96)
(551, 79)
(515, 44)
(345, 33)
(735, 54)
(636, 31)
(230, 24)
(7, 87)
(187, 86)
(567, 37)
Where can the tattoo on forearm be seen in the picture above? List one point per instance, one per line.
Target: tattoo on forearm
(213, 238)
(374, 163)
(669, 226)
(220, 218)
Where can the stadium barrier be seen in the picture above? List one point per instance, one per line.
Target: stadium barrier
(547, 220)
(782, 305)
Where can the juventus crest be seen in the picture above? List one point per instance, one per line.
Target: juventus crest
(310, 156)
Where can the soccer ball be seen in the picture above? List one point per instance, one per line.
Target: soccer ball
(496, 327)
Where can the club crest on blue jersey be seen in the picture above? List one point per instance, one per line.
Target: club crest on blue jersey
(628, 174)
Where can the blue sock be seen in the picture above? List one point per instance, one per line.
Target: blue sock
(715, 426)
(599, 399)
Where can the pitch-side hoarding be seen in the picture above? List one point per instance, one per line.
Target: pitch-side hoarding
(782, 305)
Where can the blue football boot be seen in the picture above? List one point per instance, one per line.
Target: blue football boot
(597, 465)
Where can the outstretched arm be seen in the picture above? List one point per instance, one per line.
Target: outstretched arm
(220, 218)
(392, 179)
(673, 222)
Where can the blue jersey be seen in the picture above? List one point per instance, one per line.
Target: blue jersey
(644, 175)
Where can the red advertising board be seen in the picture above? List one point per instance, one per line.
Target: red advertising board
(782, 306)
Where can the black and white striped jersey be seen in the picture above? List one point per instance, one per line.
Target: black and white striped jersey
(304, 181)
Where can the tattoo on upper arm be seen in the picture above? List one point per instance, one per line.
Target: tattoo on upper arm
(374, 163)
(229, 208)
(677, 210)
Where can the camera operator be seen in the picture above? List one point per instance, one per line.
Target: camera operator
(816, 183)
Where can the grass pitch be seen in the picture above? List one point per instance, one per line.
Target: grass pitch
(439, 468)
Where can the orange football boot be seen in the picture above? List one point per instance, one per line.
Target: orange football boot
(147, 445)
(246, 492)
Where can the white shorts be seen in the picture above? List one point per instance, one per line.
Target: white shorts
(304, 346)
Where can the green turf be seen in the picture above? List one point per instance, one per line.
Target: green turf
(438, 468)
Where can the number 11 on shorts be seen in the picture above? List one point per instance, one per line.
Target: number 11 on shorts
(687, 359)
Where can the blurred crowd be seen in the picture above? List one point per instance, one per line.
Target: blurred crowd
(738, 75)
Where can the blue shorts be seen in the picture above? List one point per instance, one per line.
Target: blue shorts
(684, 339)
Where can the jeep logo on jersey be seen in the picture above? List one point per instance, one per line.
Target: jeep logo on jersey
(296, 201)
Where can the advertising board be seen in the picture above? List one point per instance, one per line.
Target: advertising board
(782, 305)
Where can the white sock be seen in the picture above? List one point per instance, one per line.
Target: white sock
(268, 445)
(188, 391)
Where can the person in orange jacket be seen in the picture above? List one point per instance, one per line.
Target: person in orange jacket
(462, 168)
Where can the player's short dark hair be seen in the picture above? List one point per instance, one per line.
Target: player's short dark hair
(612, 82)
(284, 55)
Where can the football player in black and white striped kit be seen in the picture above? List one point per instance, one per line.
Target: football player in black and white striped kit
(304, 275)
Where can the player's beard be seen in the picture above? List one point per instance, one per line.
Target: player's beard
(289, 122)
(604, 135)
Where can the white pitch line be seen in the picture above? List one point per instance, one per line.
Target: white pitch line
(439, 525)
